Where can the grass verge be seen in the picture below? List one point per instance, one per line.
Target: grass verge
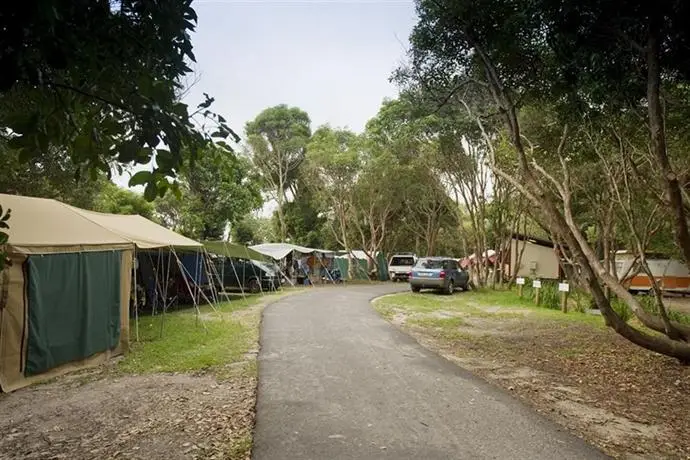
(188, 341)
(628, 401)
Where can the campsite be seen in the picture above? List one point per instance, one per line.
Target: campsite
(367, 229)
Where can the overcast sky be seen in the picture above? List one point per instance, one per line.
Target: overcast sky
(330, 58)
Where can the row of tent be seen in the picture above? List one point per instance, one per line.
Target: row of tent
(65, 298)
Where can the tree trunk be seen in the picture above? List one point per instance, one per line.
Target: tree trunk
(674, 196)
(564, 226)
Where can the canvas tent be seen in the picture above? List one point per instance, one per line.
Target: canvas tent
(360, 259)
(286, 254)
(65, 299)
(64, 302)
(227, 249)
(279, 251)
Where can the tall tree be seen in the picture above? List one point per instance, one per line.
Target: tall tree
(101, 80)
(117, 200)
(278, 138)
(333, 165)
(49, 175)
(568, 54)
(216, 190)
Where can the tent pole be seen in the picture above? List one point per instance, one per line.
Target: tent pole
(328, 273)
(189, 288)
(165, 297)
(212, 267)
(182, 268)
(234, 270)
(136, 300)
(208, 266)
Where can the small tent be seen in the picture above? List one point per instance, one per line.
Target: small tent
(64, 302)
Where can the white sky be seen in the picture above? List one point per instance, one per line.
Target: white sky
(330, 58)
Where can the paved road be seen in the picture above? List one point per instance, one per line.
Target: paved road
(338, 382)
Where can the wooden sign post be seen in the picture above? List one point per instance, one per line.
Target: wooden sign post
(536, 284)
(520, 284)
(564, 288)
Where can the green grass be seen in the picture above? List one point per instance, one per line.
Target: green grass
(192, 342)
(475, 303)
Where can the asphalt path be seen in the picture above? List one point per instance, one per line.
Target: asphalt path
(338, 382)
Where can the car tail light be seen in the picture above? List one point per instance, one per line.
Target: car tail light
(442, 274)
(409, 274)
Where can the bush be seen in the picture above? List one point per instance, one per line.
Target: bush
(549, 296)
(621, 308)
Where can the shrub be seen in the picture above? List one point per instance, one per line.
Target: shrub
(549, 295)
(621, 308)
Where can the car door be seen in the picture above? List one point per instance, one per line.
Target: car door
(453, 269)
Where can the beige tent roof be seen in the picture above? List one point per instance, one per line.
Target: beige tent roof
(139, 230)
(45, 223)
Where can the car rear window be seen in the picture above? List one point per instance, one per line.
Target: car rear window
(409, 261)
(430, 263)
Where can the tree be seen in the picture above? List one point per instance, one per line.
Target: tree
(101, 80)
(217, 190)
(333, 165)
(377, 199)
(544, 53)
(245, 231)
(116, 200)
(278, 138)
(49, 175)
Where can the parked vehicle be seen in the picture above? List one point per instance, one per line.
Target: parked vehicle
(247, 275)
(399, 266)
(439, 273)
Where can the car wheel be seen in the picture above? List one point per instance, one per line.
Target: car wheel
(416, 289)
(450, 289)
(254, 286)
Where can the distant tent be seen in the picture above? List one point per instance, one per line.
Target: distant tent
(279, 251)
(237, 251)
(361, 271)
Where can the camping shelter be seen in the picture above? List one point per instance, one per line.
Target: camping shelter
(286, 254)
(161, 255)
(64, 302)
(237, 251)
(361, 262)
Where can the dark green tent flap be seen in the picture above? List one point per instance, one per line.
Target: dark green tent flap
(238, 251)
(361, 271)
(73, 306)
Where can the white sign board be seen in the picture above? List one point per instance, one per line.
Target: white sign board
(536, 284)
(563, 287)
(520, 281)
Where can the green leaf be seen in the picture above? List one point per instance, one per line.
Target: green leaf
(151, 191)
(140, 178)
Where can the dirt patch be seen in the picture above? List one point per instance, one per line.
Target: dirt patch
(629, 402)
(139, 417)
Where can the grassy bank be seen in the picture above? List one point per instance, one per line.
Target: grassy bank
(221, 343)
(187, 340)
(624, 399)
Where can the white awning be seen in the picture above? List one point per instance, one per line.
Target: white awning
(278, 251)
